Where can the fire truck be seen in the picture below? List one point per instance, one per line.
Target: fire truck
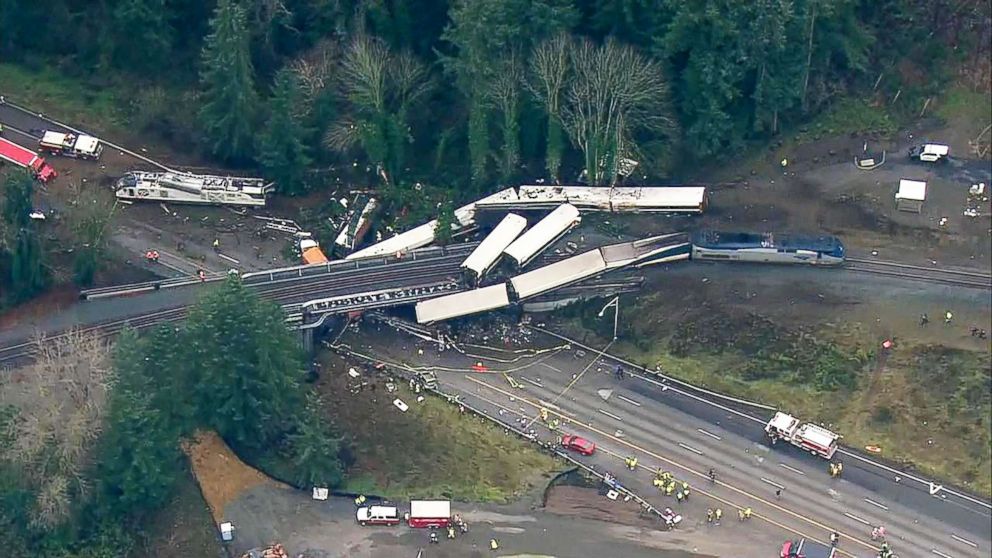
(79, 146)
(807, 437)
(25, 158)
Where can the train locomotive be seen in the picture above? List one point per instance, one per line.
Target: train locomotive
(767, 248)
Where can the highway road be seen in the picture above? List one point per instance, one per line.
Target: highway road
(684, 431)
(146, 309)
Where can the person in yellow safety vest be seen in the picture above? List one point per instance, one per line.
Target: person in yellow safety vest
(633, 463)
(833, 469)
(717, 514)
(667, 476)
(660, 474)
(669, 488)
(679, 496)
(740, 515)
(658, 483)
(544, 415)
(626, 462)
(360, 499)
(554, 424)
(451, 531)
(709, 515)
(747, 513)
(840, 468)
(493, 544)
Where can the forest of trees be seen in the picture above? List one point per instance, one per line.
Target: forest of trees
(462, 94)
(92, 442)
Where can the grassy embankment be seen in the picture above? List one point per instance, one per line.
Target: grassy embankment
(430, 451)
(925, 405)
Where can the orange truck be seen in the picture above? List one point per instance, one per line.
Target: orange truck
(312, 254)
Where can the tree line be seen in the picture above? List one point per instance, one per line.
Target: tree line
(460, 94)
(103, 449)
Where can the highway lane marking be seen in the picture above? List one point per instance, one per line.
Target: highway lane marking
(690, 448)
(575, 421)
(858, 519)
(575, 379)
(793, 469)
(546, 365)
(629, 400)
(773, 483)
(986, 505)
(529, 381)
(611, 415)
(939, 553)
(228, 258)
(710, 434)
(965, 541)
(874, 503)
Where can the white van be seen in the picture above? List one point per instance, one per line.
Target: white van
(377, 515)
(929, 153)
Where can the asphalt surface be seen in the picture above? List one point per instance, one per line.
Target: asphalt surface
(681, 431)
(109, 312)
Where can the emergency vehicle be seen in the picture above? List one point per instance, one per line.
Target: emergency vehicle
(377, 515)
(80, 146)
(25, 158)
(808, 437)
(435, 514)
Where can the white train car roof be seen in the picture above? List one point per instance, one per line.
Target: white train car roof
(462, 304)
(541, 235)
(491, 248)
(659, 199)
(417, 237)
(558, 274)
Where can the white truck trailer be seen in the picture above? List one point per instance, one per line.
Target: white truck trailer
(808, 437)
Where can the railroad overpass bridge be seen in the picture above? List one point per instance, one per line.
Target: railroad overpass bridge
(312, 294)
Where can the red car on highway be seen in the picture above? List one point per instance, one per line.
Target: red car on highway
(578, 444)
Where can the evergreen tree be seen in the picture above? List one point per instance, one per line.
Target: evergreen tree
(20, 247)
(227, 80)
(247, 366)
(139, 458)
(141, 35)
(283, 151)
(314, 448)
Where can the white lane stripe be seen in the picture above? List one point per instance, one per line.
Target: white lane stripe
(690, 448)
(965, 541)
(874, 503)
(858, 519)
(793, 469)
(939, 553)
(628, 400)
(528, 380)
(546, 365)
(611, 415)
(710, 434)
(773, 483)
(228, 258)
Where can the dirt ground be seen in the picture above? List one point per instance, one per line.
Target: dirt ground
(222, 476)
(588, 503)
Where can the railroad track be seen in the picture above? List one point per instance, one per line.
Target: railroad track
(289, 296)
(945, 276)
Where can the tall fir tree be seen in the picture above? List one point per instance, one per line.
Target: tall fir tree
(282, 150)
(26, 274)
(145, 50)
(247, 366)
(228, 84)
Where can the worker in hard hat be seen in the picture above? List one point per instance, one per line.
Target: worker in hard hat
(685, 489)
(669, 488)
(633, 463)
(544, 415)
(360, 499)
(680, 496)
(747, 513)
(451, 531)
(709, 515)
(433, 537)
(717, 514)
(840, 468)
(833, 469)
(740, 515)
(493, 545)
(658, 483)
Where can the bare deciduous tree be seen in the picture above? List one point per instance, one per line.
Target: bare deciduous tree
(379, 86)
(504, 94)
(549, 71)
(615, 93)
(61, 401)
(314, 71)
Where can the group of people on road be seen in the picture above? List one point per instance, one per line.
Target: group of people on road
(462, 527)
(665, 482)
(714, 515)
(835, 468)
